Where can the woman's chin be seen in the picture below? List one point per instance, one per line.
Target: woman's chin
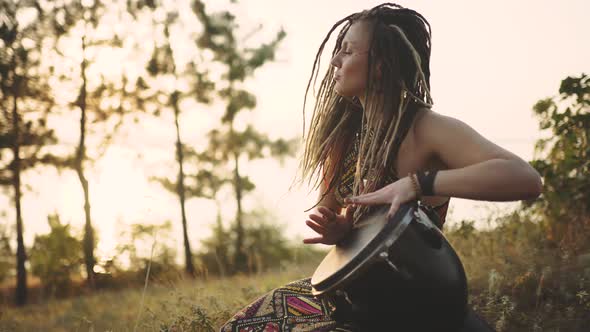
(342, 93)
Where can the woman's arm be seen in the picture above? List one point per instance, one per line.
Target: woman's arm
(478, 168)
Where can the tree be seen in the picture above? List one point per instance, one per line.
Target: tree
(25, 103)
(227, 144)
(563, 160)
(189, 83)
(206, 183)
(81, 31)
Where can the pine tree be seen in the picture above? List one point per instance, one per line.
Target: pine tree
(80, 31)
(25, 102)
(189, 83)
(227, 144)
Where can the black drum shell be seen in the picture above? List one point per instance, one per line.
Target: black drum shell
(427, 292)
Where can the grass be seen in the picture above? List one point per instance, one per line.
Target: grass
(186, 305)
(196, 305)
(518, 282)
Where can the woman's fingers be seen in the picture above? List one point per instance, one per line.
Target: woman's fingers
(318, 219)
(329, 214)
(328, 224)
(317, 228)
(367, 199)
(314, 240)
(393, 209)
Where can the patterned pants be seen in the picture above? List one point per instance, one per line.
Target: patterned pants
(291, 308)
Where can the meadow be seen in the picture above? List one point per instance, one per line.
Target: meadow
(517, 281)
(182, 305)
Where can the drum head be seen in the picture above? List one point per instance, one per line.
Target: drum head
(370, 237)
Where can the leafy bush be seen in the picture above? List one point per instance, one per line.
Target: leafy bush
(146, 246)
(56, 256)
(6, 254)
(518, 280)
(265, 243)
(563, 160)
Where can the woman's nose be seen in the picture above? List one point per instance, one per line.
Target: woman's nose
(335, 61)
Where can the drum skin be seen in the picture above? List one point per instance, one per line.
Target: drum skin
(419, 285)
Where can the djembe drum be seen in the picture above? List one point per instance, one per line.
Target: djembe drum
(399, 274)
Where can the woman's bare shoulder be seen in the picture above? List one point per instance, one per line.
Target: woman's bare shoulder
(431, 126)
(442, 136)
(426, 117)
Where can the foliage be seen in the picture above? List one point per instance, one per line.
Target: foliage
(147, 245)
(198, 320)
(216, 250)
(190, 83)
(25, 100)
(81, 33)
(228, 146)
(265, 243)
(56, 257)
(6, 254)
(517, 280)
(564, 163)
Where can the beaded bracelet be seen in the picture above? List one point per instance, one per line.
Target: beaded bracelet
(415, 184)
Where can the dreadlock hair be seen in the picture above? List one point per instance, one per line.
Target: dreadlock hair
(400, 52)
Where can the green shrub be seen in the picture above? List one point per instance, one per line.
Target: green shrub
(55, 257)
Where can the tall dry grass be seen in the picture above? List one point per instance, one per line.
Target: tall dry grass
(183, 305)
(518, 281)
(522, 280)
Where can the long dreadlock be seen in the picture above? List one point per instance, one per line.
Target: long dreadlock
(400, 46)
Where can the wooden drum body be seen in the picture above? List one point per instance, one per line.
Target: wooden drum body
(400, 272)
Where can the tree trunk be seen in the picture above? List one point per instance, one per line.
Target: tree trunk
(79, 166)
(180, 190)
(21, 256)
(88, 231)
(240, 259)
(220, 250)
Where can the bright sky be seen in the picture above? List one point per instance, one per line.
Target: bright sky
(491, 61)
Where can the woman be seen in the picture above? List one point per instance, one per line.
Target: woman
(374, 140)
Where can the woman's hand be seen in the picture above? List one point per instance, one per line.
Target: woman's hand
(330, 225)
(396, 193)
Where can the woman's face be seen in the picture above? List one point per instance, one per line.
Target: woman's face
(351, 61)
